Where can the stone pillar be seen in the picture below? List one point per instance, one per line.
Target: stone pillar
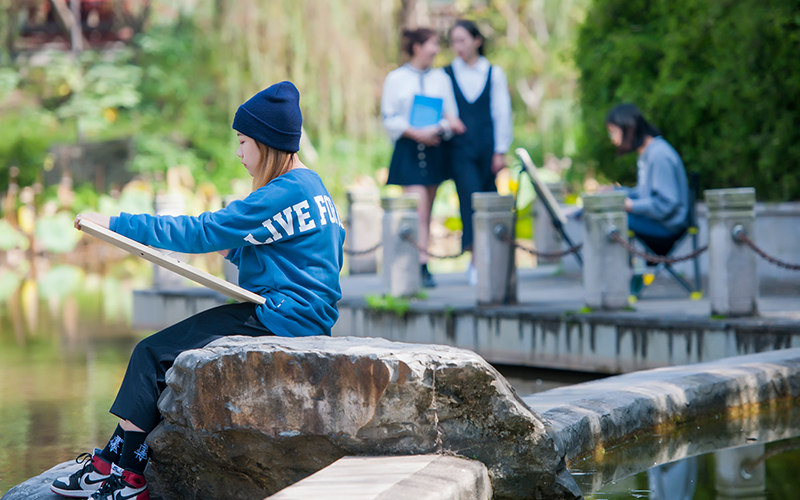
(494, 258)
(169, 204)
(401, 268)
(739, 474)
(364, 216)
(606, 273)
(732, 273)
(545, 235)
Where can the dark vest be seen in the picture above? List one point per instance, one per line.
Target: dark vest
(477, 116)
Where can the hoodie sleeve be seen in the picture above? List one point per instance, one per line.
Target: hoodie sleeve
(266, 216)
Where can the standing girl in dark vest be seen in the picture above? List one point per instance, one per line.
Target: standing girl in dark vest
(484, 106)
(418, 163)
(285, 238)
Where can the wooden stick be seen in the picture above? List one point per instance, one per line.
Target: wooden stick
(224, 287)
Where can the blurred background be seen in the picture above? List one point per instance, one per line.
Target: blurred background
(136, 99)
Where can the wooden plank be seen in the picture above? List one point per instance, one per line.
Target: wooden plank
(208, 280)
(541, 188)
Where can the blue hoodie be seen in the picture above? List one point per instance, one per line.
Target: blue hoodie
(286, 239)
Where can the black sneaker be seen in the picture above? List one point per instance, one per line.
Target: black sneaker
(85, 481)
(427, 277)
(123, 484)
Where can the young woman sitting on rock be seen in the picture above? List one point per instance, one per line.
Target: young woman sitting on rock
(286, 238)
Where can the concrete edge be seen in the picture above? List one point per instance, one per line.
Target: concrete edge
(421, 477)
(623, 319)
(636, 402)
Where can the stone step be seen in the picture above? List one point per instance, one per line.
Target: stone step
(421, 477)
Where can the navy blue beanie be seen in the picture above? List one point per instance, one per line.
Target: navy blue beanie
(272, 117)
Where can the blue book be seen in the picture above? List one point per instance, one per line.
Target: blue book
(425, 111)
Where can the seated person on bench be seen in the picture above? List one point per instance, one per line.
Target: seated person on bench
(658, 206)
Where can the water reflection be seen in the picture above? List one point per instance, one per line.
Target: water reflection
(65, 340)
(753, 457)
(673, 481)
(740, 473)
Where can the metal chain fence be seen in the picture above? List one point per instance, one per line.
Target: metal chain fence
(502, 235)
(407, 236)
(740, 235)
(356, 253)
(653, 258)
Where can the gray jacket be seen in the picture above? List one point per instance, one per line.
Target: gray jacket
(662, 191)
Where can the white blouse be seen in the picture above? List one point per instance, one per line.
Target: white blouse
(472, 80)
(399, 89)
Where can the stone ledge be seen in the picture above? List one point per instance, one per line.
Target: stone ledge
(421, 477)
(599, 342)
(601, 413)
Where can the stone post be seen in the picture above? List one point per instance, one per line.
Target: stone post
(401, 268)
(169, 204)
(606, 273)
(545, 235)
(494, 258)
(732, 272)
(364, 216)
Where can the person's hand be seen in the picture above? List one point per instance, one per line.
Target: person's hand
(498, 162)
(100, 220)
(456, 125)
(428, 136)
(628, 204)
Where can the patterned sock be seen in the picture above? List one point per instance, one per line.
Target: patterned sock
(134, 452)
(113, 449)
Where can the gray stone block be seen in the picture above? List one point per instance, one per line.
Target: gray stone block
(401, 268)
(421, 477)
(494, 259)
(606, 273)
(545, 235)
(733, 273)
(364, 216)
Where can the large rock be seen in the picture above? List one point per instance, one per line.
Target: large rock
(245, 417)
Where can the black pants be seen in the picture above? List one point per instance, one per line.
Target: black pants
(144, 380)
(472, 173)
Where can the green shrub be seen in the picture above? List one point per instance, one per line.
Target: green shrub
(720, 78)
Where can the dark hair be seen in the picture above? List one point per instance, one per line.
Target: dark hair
(634, 127)
(414, 37)
(472, 29)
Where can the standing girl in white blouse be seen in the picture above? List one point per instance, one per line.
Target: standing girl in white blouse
(418, 162)
(484, 106)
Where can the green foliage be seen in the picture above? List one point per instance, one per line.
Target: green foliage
(56, 233)
(175, 88)
(720, 79)
(10, 237)
(397, 305)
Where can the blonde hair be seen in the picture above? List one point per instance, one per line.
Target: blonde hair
(273, 164)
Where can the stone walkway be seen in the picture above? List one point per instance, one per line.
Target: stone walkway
(544, 289)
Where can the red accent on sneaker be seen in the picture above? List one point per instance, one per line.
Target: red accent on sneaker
(136, 481)
(101, 465)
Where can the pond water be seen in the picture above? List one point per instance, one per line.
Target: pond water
(753, 456)
(65, 339)
(64, 345)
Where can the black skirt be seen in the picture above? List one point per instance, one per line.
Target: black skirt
(414, 163)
